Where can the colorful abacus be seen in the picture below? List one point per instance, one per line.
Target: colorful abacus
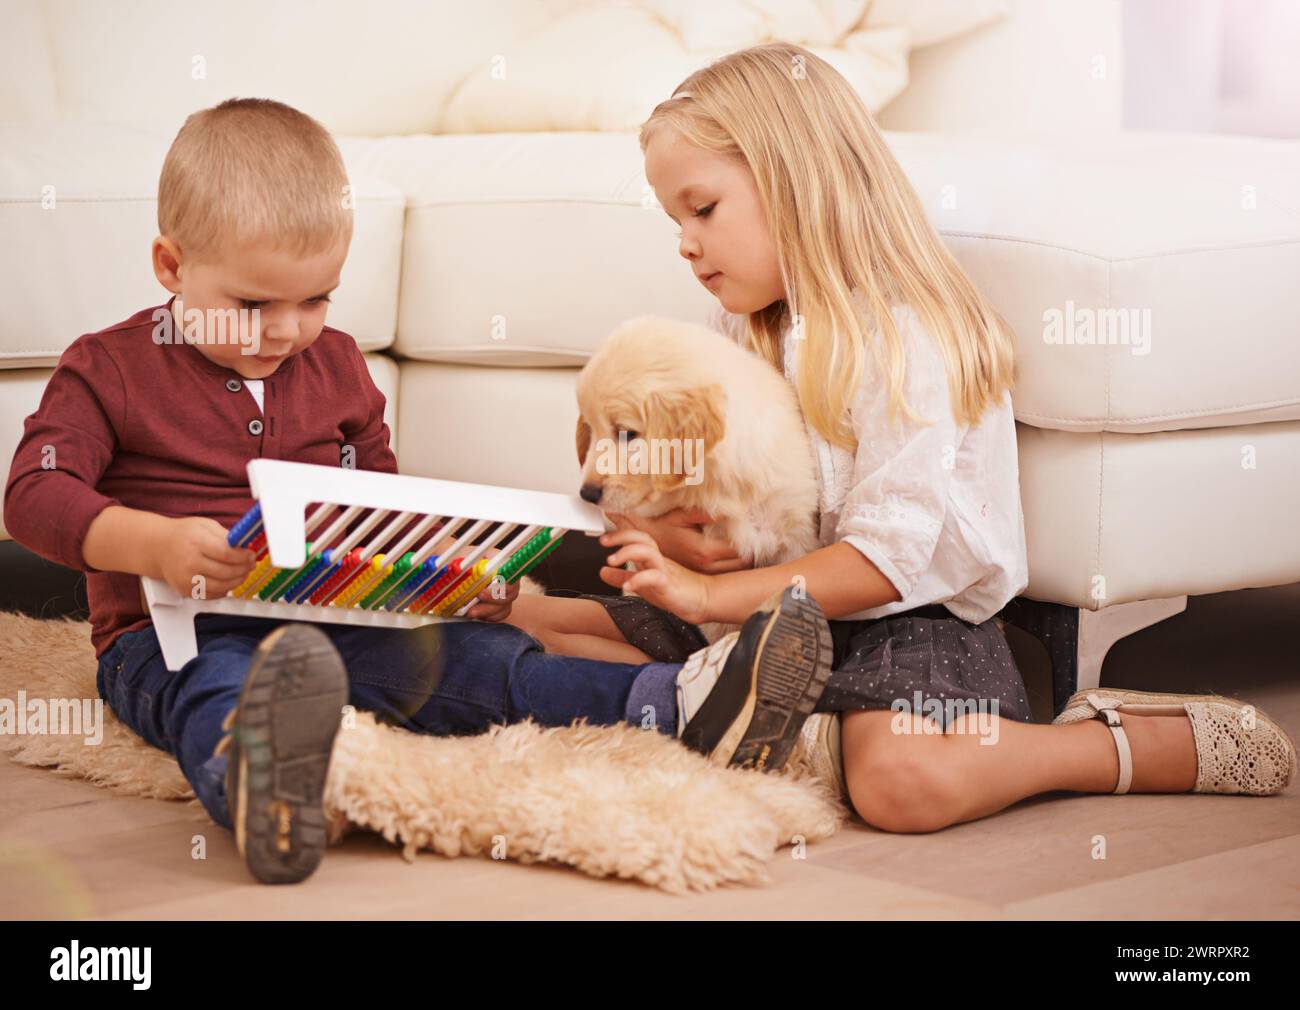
(376, 549)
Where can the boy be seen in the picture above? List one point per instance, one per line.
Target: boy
(135, 464)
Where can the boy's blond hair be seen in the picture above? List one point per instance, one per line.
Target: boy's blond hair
(252, 170)
(849, 230)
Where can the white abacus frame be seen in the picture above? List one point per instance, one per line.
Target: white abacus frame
(285, 489)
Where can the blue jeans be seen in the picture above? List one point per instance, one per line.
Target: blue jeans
(445, 679)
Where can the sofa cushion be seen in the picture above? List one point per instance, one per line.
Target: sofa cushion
(78, 211)
(526, 249)
(389, 67)
(1192, 242)
(621, 59)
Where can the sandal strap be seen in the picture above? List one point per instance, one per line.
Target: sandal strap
(1106, 713)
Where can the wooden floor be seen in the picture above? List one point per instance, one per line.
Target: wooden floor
(68, 849)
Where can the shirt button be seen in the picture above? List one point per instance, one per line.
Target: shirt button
(255, 427)
(233, 385)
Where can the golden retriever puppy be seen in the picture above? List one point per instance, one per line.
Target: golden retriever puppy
(674, 415)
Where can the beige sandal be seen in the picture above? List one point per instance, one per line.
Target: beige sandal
(1238, 748)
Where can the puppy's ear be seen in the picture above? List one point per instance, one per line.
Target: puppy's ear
(583, 440)
(687, 414)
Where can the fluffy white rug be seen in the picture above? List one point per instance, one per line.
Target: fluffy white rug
(610, 801)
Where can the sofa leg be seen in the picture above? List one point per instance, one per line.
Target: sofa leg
(1077, 640)
(1100, 629)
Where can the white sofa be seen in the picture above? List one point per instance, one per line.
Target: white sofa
(486, 267)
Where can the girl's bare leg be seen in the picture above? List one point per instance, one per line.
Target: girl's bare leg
(571, 627)
(918, 781)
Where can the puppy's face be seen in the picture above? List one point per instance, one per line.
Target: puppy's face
(645, 430)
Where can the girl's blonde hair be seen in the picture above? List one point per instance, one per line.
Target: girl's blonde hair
(850, 231)
(253, 170)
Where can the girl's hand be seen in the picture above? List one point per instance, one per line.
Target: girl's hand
(680, 535)
(658, 580)
(196, 545)
(496, 599)
(494, 608)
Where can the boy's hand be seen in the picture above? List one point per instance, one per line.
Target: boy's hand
(659, 580)
(197, 545)
(680, 535)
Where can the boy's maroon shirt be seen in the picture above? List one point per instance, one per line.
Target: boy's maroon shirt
(159, 427)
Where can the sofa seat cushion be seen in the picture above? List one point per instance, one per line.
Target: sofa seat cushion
(78, 211)
(1177, 254)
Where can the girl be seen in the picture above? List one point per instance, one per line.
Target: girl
(796, 217)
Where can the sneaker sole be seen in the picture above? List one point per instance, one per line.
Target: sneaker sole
(792, 664)
(289, 713)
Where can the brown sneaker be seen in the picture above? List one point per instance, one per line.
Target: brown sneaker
(278, 747)
(744, 699)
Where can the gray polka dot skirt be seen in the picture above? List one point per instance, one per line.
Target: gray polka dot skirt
(925, 656)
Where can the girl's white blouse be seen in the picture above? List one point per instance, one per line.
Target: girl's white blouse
(936, 509)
